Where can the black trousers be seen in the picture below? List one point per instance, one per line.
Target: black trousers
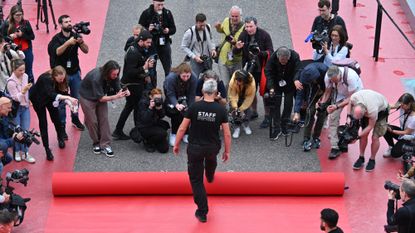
(315, 126)
(43, 121)
(200, 159)
(396, 151)
(288, 107)
(157, 136)
(176, 120)
(164, 53)
(132, 101)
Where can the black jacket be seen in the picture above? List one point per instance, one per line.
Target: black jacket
(134, 60)
(320, 25)
(149, 16)
(43, 91)
(404, 216)
(265, 45)
(276, 72)
(149, 117)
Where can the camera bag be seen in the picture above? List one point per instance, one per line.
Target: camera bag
(15, 104)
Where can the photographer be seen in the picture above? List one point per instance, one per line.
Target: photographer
(340, 85)
(405, 133)
(334, 49)
(18, 87)
(6, 141)
(372, 109)
(151, 125)
(230, 28)
(326, 20)
(312, 81)
(159, 21)
(50, 88)
(180, 90)
(20, 32)
(100, 86)
(136, 65)
(404, 217)
(63, 51)
(7, 55)
(255, 44)
(241, 94)
(198, 45)
(211, 75)
(280, 71)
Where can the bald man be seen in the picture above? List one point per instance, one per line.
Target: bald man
(372, 109)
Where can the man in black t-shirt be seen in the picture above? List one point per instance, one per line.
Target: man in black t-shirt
(205, 118)
(63, 51)
(326, 20)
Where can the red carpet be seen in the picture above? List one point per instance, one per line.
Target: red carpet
(176, 214)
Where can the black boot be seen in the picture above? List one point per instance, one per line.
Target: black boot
(61, 143)
(49, 155)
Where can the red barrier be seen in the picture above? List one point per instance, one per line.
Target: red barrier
(177, 183)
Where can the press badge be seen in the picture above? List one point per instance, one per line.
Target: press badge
(282, 83)
(230, 56)
(162, 41)
(68, 64)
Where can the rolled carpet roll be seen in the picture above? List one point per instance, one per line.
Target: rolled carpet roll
(177, 183)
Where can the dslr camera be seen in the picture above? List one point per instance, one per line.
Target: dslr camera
(393, 187)
(254, 49)
(206, 62)
(322, 107)
(10, 45)
(348, 133)
(183, 101)
(236, 117)
(158, 102)
(29, 136)
(81, 28)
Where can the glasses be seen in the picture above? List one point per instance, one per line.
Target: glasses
(18, 14)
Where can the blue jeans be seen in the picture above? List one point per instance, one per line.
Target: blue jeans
(23, 119)
(7, 158)
(29, 64)
(74, 82)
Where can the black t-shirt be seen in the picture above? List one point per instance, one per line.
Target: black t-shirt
(69, 59)
(337, 230)
(205, 121)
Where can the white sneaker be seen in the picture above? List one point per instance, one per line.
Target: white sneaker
(17, 157)
(28, 158)
(387, 153)
(236, 132)
(186, 138)
(247, 130)
(172, 139)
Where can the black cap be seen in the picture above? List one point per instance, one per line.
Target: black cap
(145, 35)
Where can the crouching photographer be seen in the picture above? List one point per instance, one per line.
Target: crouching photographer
(401, 220)
(151, 125)
(241, 94)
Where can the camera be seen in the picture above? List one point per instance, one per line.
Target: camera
(348, 133)
(29, 136)
(158, 28)
(17, 204)
(322, 107)
(393, 187)
(236, 117)
(318, 38)
(408, 148)
(270, 99)
(81, 28)
(158, 102)
(10, 45)
(254, 49)
(206, 62)
(154, 57)
(183, 101)
(229, 38)
(293, 127)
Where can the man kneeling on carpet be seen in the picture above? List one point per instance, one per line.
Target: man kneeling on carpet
(205, 118)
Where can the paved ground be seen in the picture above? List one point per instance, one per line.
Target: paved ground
(253, 153)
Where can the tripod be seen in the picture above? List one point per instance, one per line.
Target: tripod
(42, 14)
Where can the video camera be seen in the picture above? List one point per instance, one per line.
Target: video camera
(29, 136)
(348, 133)
(17, 204)
(81, 28)
(317, 39)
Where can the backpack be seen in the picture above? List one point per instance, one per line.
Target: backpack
(348, 63)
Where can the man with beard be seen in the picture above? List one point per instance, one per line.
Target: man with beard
(63, 51)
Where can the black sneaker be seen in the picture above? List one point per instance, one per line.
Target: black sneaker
(120, 136)
(265, 123)
(307, 144)
(150, 148)
(370, 165)
(61, 143)
(276, 134)
(49, 155)
(97, 150)
(316, 143)
(359, 163)
(254, 115)
(77, 124)
(201, 217)
(334, 153)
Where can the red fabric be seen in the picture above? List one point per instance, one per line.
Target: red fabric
(177, 183)
(263, 81)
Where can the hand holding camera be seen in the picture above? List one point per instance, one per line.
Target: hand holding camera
(26, 88)
(198, 59)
